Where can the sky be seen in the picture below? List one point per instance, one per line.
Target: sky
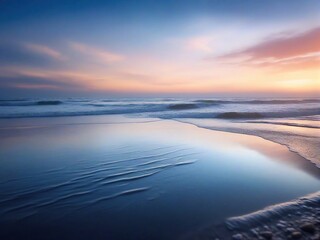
(159, 48)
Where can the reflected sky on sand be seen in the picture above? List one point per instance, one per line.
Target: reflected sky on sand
(123, 178)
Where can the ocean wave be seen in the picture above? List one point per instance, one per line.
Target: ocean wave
(270, 213)
(14, 100)
(218, 114)
(290, 124)
(239, 115)
(290, 220)
(163, 113)
(21, 103)
(275, 101)
(182, 106)
(52, 102)
(158, 108)
(15, 103)
(297, 219)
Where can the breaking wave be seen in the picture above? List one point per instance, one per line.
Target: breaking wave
(271, 213)
(297, 219)
(161, 108)
(291, 220)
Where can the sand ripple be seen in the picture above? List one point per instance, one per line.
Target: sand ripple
(109, 176)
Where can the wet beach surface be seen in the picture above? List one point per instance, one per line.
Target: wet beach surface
(125, 178)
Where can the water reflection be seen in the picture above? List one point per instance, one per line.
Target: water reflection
(146, 180)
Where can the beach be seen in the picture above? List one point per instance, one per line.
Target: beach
(159, 120)
(125, 177)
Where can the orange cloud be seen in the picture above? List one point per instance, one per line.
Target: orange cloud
(127, 83)
(298, 63)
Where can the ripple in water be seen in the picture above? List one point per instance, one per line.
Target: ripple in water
(89, 184)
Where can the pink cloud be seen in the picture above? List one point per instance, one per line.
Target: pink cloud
(299, 50)
(44, 50)
(199, 44)
(284, 47)
(311, 62)
(36, 86)
(97, 53)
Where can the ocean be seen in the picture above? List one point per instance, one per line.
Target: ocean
(126, 169)
(293, 122)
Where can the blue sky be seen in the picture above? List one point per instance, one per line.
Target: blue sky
(75, 48)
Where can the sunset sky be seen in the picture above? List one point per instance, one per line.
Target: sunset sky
(159, 48)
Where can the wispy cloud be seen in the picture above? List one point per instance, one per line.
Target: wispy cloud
(44, 50)
(77, 80)
(287, 51)
(305, 62)
(96, 53)
(36, 81)
(201, 43)
(195, 43)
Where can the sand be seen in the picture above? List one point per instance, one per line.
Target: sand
(128, 178)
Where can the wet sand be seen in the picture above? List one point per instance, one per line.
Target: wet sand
(297, 219)
(126, 178)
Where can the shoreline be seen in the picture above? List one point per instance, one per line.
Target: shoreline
(261, 224)
(265, 136)
(296, 219)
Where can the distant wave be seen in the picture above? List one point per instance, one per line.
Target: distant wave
(280, 101)
(287, 124)
(182, 106)
(21, 103)
(209, 108)
(161, 112)
(49, 102)
(239, 115)
(15, 103)
(13, 100)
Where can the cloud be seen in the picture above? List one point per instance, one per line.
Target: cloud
(32, 82)
(285, 51)
(96, 53)
(15, 53)
(311, 61)
(24, 85)
(44, 50)
(75, 80)
(18, 76)
(198, 44)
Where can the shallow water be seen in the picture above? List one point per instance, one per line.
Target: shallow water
(300, 136)
(293, 122)
(120, 178)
